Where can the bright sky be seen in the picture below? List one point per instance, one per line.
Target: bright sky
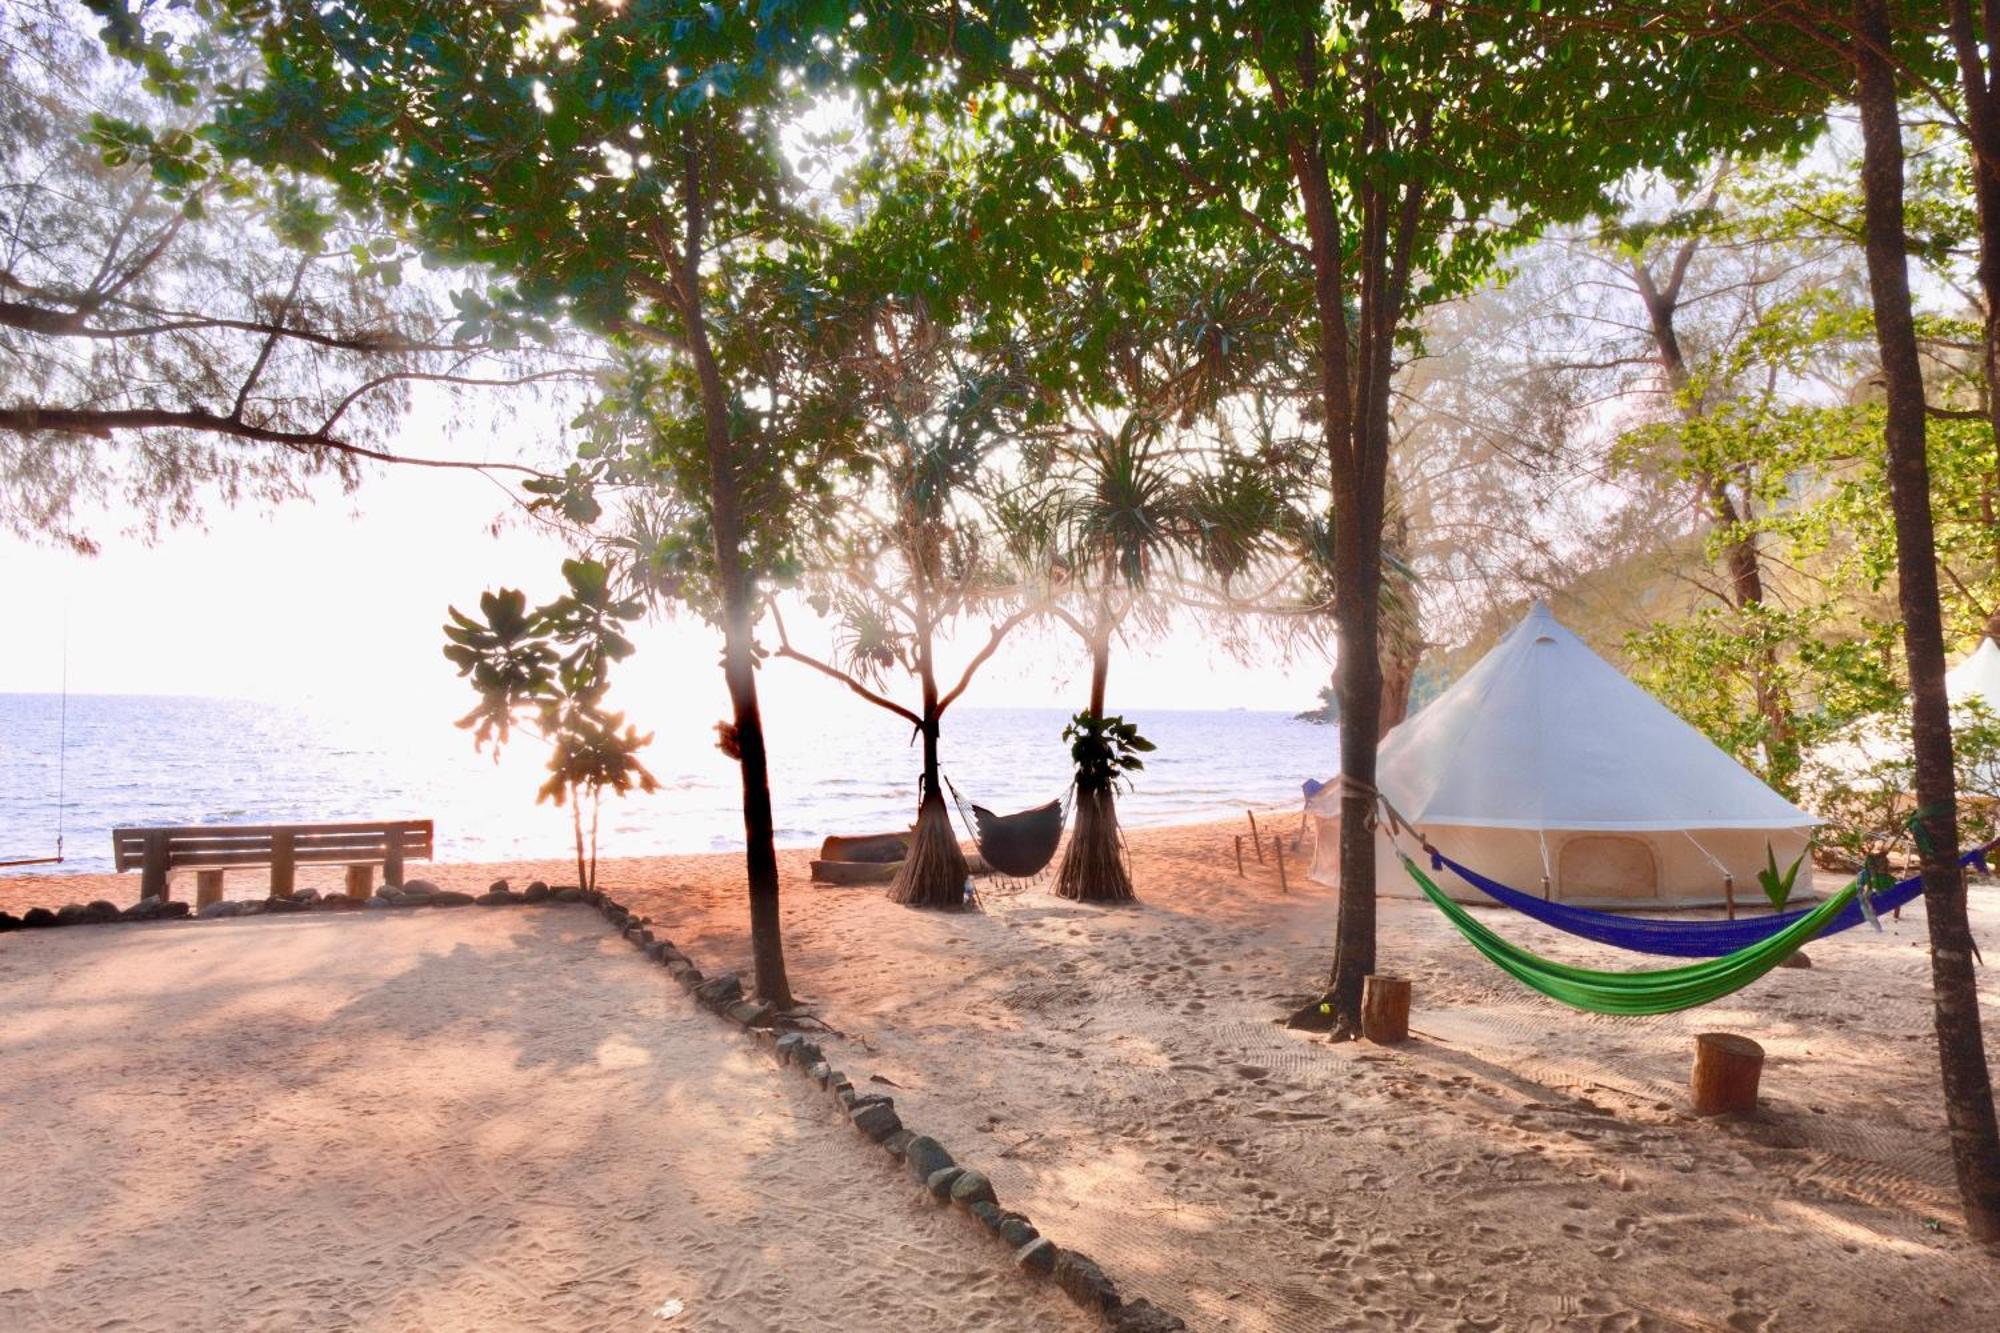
(340, 600)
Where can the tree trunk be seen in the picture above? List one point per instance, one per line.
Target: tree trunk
(1968, 1090)
(1100, 665)
(760, 858)
(934, 872)
(576, 832)
(1093, 864)
(1741, 559)
(1358, 687)
(1399, 673)
(1353, 391)
(596, 805)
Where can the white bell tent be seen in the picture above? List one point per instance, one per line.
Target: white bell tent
(1546, 769)
(1874, 753)
(1977, 677)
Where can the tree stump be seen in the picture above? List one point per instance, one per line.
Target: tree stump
(1385, 1009)
(1726, 1070)
(207, 887)
(361, 882)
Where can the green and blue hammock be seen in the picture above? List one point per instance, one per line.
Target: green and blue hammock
(1680, 939)
(1733, 953)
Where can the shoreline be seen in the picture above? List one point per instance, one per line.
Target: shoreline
(618, 874)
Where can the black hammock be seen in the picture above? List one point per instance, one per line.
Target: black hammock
(1020, 844)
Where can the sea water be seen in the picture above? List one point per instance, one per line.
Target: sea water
(130, 759)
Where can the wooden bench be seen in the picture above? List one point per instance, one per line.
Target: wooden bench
(214, 850)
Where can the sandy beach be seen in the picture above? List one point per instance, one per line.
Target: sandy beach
(437, 1121)
(1118, 1073)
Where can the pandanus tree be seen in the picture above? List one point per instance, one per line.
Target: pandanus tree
(619, 164)
(1124, 521)
(1140, 504)
(916, 553)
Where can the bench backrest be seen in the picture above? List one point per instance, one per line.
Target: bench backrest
(227, 845)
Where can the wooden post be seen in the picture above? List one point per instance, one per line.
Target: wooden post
(283, 864)
(153, 873)
(1256, 841)
(1545, 888)
(392, 860)
(1726, 1070)
(1385, 1009)
(1239, 856)
(1278, 850)
(207, 888)
(361, 882)
(1729, 894)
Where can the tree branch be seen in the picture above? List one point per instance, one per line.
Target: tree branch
(1000, 631)
(102, 424)
(785, 649)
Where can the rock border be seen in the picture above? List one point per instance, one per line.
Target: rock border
(931, 1168)
(411, 893)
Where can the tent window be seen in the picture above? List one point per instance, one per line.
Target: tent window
(1607, 865)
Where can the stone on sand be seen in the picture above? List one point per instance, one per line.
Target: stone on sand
(1085, 1283)
(972, 1187)
(878, 1120)
(1037, 1256)
(925, 1157)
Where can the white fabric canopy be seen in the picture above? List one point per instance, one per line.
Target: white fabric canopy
(1977, 677)
(1544, 734)
(1884, 739)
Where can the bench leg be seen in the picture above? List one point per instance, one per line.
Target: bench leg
(283, 864)
(392, 861)
(361, 882)
(153, 873)
(207, 888)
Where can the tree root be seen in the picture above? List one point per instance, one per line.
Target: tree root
(1093, 864)
(934, 871)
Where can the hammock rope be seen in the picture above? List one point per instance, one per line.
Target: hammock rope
(1680, 939)
(1666, 991)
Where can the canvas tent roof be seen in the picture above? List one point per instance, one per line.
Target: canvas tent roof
(1977, 677)
(1544, 734)
(1884, 739)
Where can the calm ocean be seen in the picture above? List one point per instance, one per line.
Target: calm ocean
(151, 760)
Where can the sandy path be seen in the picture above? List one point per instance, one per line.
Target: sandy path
(1519, 1166)
(440, 1120)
